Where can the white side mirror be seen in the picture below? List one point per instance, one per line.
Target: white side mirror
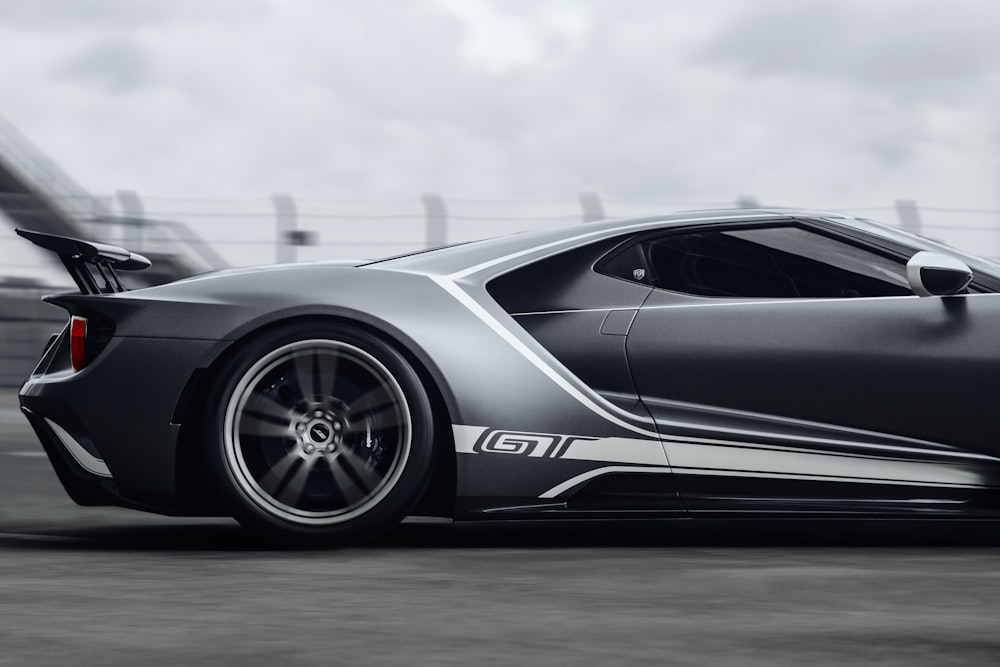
(933, 274)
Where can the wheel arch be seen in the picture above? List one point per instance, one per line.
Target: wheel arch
(194, 493)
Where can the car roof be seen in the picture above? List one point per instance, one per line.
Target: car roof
(516, 249)
(537, 243)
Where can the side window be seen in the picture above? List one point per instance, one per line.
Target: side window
(779, 262)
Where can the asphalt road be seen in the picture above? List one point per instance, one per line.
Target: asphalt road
(113, 587)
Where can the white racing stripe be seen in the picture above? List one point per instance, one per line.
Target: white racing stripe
(466, 437)
(748, 462)
(574, 482)
(693, 458)
(625, 450)
(635, 451)
(715, 472)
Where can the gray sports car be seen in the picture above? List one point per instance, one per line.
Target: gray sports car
(713, 363)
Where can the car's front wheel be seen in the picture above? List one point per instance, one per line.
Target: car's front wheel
(320, 434)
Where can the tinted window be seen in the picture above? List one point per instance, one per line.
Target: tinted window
(779, 262)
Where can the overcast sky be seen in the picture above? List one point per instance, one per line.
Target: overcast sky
(822, 103)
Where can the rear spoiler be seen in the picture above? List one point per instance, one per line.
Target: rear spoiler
(81, 258)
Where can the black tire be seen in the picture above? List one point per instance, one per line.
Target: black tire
(319, 434)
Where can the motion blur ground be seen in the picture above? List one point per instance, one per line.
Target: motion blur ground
(102, 585)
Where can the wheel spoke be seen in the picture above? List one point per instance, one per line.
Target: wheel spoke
(359, 403)
(252, 424)
(348, 488)
(266, 407)
(304, 374)
(325, 379)
(368, 478)
(292, 493)
(271, 481)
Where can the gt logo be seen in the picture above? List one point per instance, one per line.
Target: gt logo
(538, 445)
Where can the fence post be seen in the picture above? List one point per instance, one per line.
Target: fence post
(909, 215)
(593, 209)
(437, 219)
(286, 219)
(133, 213)
(102, 227)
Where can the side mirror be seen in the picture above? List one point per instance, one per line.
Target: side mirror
(932, 274)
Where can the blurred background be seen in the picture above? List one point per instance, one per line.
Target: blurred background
(234, 132)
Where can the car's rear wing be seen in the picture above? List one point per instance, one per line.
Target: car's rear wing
(81, 258)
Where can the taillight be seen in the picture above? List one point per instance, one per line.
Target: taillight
(78, 342)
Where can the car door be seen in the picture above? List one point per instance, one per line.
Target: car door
(790, 368)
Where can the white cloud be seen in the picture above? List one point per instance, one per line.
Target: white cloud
(501, 37)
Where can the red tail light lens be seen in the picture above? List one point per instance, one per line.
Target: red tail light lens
(78, 342)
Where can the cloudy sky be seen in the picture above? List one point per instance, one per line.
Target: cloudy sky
(825, 103)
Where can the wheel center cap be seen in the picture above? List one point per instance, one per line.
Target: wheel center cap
(320, 433)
